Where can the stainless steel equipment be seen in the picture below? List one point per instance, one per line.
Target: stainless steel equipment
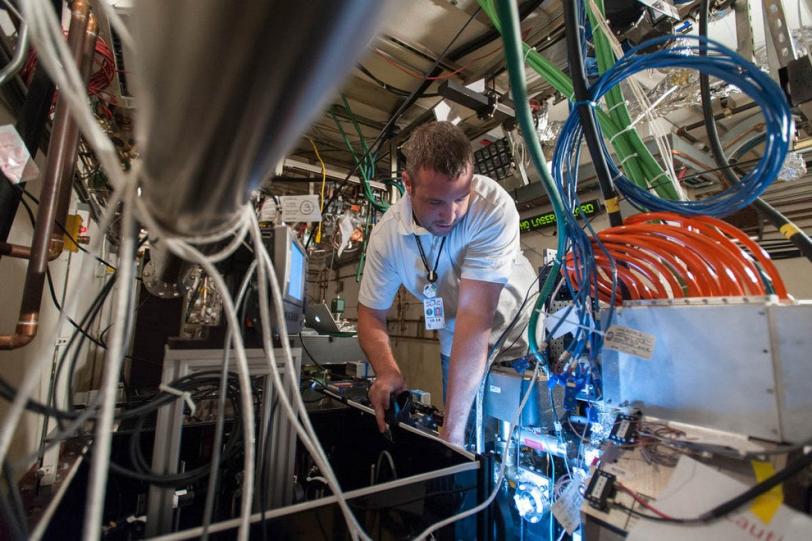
(278, 455)
(734, 364)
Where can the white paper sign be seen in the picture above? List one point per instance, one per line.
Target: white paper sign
(300, 208)
(564, 321)
(629, 341)
(15, 161)
(694, 489)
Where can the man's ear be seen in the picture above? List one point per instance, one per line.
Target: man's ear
(408, 182)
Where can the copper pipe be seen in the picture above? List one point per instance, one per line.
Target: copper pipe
(68, 159)
(15, 250)
(72, 145)
(59, 154)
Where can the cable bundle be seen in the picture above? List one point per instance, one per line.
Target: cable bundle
(724, 64)
(666, 256)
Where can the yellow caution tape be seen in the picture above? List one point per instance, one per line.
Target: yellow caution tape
(788, 230)
(612, 205)
(766, 505)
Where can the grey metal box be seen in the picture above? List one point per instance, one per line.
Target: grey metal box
(740, 365)
(504, 391)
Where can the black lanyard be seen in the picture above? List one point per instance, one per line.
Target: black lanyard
(431, 275)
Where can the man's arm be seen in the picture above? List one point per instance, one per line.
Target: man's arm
(374, 340)
(475, 310)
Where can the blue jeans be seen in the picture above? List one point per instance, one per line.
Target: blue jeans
(444, 360)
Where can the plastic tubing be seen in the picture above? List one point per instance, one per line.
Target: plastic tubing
(732, 233)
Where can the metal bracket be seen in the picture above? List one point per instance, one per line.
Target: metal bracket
(779, 31)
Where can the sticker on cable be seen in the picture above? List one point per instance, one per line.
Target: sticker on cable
(300, 208)
(629, 341)
(567, 508)
(434, 313)
(15, 161)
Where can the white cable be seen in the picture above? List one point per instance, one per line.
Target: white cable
(55, 56)
(389, 459)
(304, 429)
(513, 423)
(190, 253)
(663, 145)
(100, 461)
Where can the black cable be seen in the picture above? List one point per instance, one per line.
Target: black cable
(61, 226)
(582, 100)
(792, 232)
(143, 472)
(390, 123)
(390, 88)
(12, 506)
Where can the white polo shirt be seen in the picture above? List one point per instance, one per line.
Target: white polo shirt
(483, 245)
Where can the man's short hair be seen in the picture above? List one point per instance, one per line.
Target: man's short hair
(440, 146)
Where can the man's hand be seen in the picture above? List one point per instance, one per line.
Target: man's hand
(456, 438)
(385, 384)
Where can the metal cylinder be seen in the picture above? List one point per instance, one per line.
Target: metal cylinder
(542, 442)
(223, 99)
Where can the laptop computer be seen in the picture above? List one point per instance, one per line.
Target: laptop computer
(319, 317)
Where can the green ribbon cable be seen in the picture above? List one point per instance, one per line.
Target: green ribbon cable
(362, 169)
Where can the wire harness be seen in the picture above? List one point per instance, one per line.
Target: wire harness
(724, 64)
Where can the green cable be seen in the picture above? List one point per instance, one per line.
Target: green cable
(362, 170)
(636, 158)
(646, 168)
(508, 16)
(370, 160)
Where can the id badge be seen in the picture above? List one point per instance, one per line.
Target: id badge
(434, 313)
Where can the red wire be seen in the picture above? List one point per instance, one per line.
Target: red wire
(639, 499)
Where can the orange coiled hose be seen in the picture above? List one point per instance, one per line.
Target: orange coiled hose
(661, 255)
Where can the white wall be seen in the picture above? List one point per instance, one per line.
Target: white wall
(15, 363)
(417, 351)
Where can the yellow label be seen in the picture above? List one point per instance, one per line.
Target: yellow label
(612, 205)
(766, 505)
(788, 230)
(73, 227)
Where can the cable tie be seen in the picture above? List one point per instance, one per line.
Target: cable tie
(589, 103)
(630, 127)
(527, 53)
(662, 174)
(185, 395)
(615, 106)
(629, 157)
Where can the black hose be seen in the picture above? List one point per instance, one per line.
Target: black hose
(792, 232)
(590, 128)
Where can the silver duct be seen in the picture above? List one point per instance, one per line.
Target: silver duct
(224, 89)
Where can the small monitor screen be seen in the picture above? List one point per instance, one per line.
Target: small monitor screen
(297, 270)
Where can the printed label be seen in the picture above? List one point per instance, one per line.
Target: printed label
(300, 208)
(434, 313)
(629, 341)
